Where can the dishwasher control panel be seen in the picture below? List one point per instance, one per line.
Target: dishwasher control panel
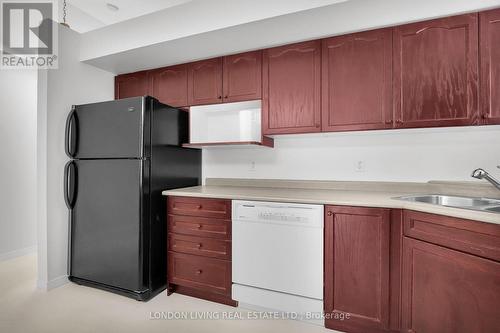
(283, 213)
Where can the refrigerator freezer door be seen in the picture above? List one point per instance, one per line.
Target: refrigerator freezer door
(108, 225)
(114, 129)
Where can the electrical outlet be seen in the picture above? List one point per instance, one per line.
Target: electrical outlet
(252, 166)
(360, 166)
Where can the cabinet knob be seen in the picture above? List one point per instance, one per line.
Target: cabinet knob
(198, 207)
(388, 122)
(329, 213)
(220, 97)
(198, 226)
(198, 272)
(198, 245)
(484, 116)
(226, 97)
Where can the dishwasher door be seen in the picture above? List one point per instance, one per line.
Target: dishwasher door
(278, 247)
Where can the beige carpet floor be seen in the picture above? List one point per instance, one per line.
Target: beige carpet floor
(73, 308)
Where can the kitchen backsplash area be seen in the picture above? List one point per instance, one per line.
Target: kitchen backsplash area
(416, 155)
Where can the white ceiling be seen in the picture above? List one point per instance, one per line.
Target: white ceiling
(97, 11)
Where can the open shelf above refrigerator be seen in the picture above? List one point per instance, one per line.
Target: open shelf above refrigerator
(227, 124)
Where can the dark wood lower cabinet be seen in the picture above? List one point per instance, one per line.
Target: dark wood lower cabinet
(385, 270)
(208, 274)
(199, 248)
(357, 268)
(405, 271)
(447, 291)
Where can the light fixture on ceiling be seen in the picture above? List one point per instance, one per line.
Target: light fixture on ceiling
(112, 7)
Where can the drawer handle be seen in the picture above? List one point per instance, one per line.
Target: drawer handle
(198, 272)
(329, 213)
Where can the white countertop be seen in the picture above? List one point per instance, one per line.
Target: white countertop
(343, 197)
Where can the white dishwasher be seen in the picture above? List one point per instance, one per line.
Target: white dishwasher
(277, 251)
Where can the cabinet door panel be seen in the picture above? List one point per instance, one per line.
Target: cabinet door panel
(490, 66)
(242, 80)
(291, 88)
(205, 82)
(436, 72)
(169, 85)
(446, 291)
(357, 81)
(131, 85)
(357, 267)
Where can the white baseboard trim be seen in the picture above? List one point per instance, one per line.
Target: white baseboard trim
(17, 253)
(52, 284)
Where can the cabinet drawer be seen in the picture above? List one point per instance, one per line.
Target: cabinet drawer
(209, 274)
(207, 247)
(199, 226)
(478, 238)
(217, 208)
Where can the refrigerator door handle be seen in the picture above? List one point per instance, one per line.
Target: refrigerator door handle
(70, 184)
(71, 133)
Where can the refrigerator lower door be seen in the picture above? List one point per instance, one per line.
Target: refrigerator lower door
(108, 224)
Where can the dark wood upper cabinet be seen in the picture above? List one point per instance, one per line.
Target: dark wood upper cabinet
(448, 291)
(490, 66)
(205, 82)
(169, 85)
(436, 72)
(357, 264)
(242, 77)
(131, 85)
(291, 89)
(357, 81)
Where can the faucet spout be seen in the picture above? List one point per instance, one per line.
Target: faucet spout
(482, 174)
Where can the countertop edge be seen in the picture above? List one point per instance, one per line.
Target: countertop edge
(386, 202)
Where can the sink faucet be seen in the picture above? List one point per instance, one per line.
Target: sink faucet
(482, 174)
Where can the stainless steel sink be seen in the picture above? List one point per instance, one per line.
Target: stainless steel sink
(495, 209)
(482, 204)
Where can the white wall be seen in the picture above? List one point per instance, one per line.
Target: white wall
(398, 155)
(73, 83)
(17, 162)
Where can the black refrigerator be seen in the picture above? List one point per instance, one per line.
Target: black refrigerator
(124, 153)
